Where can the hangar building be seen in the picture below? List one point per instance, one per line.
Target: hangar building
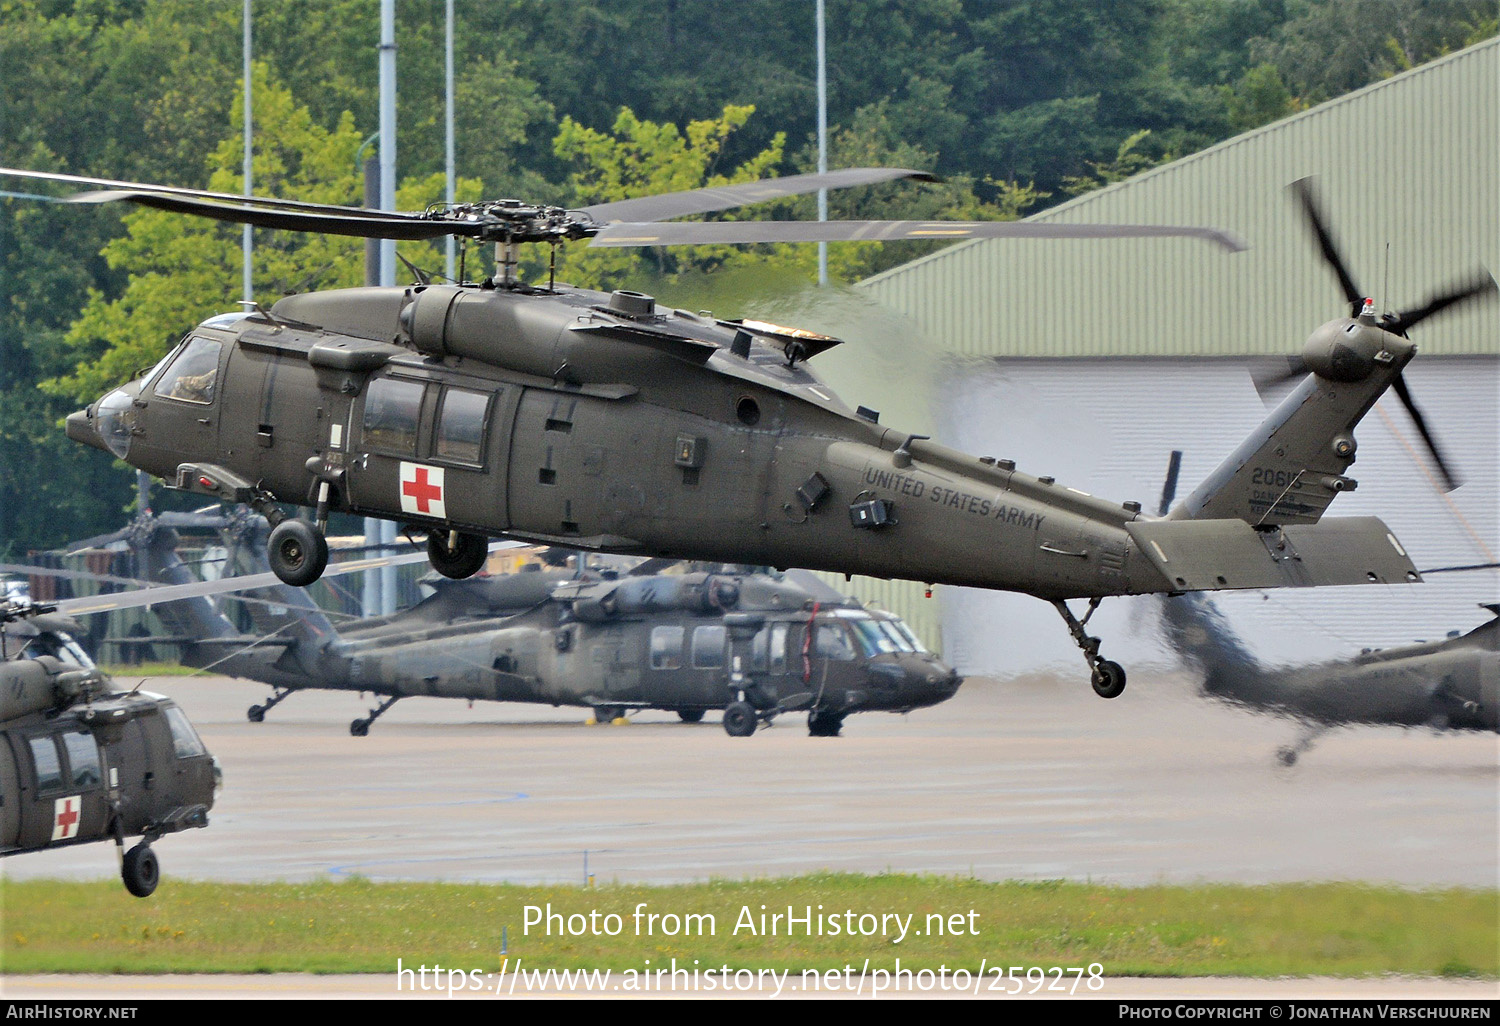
(1093, 360)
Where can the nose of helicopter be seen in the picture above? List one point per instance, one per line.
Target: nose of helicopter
(107, 423)
(80, 428)
(912, 682)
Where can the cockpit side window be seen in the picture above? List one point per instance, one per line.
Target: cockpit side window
(832, 642)
(460, 431)
(192, 375)
(84, 766)
(184, 737)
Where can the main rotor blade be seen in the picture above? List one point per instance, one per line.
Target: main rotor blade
(175, 592)
(724, 197)
(1404, 321)
(1318, 224)
(375, 225)
(685, 233)
(1450, 480)
(173, 190)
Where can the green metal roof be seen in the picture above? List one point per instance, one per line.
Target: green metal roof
(1408, 170)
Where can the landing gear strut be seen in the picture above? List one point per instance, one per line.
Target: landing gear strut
(1108, 677)
(359, 728)
(257, 713)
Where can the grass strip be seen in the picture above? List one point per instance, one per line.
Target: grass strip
(356, 926)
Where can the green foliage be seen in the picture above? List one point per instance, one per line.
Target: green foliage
(183, 270)
(1127, 162)
(643, 158)
(1049, 93)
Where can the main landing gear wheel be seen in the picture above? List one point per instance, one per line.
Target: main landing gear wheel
(361, 728)
(298, 552)
(823, 724)
(456, 554)
(140, 870)
(257, 713)
(607, 714)
(739, 719)
(690, 715)
(1109, 679)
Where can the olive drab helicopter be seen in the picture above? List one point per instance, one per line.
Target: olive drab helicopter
(732, 640)
(81, 760)
(1453, 684)
(605, 422)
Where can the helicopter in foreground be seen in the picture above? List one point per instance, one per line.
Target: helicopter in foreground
(82, 761)
(605, 422)
(744, 643)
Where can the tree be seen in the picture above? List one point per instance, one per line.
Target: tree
(182, 270)
(644, 158)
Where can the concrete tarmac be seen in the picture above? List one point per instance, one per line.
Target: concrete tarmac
(1034, 778)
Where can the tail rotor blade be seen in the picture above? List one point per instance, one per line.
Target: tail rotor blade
(1169, 485)
(1319, 225)
(1450, 480)
(1482, 285)
(1277, 372)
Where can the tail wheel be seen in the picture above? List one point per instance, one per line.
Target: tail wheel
(456, 554)
(1109, 679)
(298, 552)
(739, 719)
(140, 870)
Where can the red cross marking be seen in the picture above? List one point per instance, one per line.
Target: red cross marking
(421, 491)
(67, 818)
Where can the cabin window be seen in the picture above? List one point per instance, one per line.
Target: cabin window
(184, 737)
(778, 647)
(83, 760)
(192, 375)
(48, 766)
(393, 408)
(832, 642)
(460, 430)
(708, 647)
(666, 648)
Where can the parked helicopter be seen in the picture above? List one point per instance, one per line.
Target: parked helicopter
(83, 761)
(570, 417)
(750, 644)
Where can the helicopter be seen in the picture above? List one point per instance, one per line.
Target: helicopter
(591, 636)
(84, 761)
(570, 417)
(1453, 684)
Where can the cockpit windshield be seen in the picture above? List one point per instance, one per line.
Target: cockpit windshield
(60, 647)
